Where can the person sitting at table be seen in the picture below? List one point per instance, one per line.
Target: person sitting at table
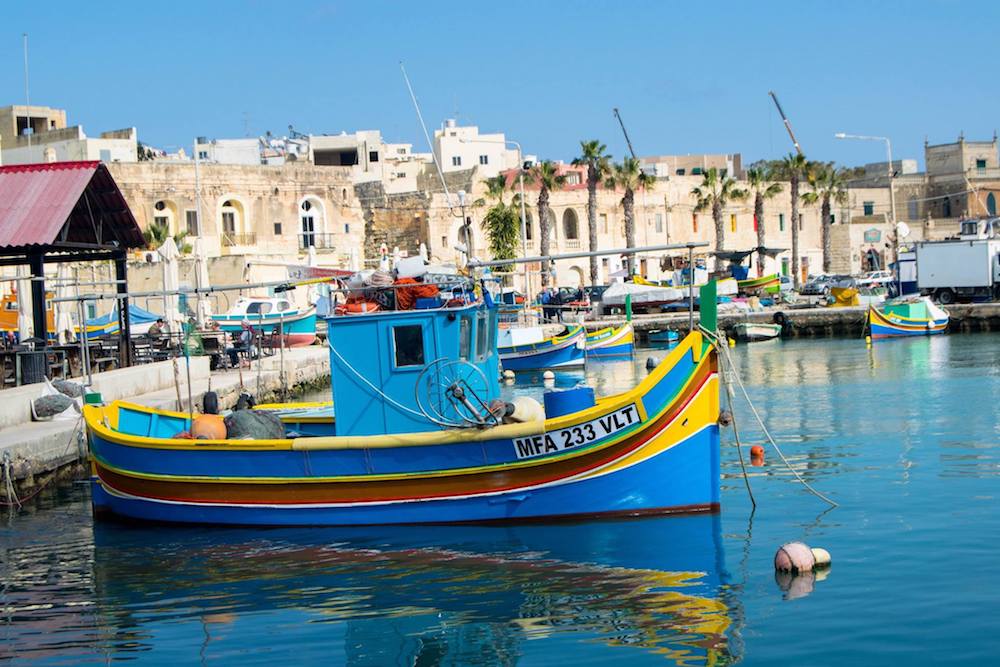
(242, 343)
(156, 330)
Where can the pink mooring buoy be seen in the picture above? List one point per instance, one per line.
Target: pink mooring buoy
(794, 557)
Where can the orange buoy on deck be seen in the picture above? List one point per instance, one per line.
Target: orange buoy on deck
(209, 427)
(757, 452)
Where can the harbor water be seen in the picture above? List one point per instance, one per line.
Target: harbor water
(904, 435)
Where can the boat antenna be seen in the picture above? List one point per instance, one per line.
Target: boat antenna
(427, 136)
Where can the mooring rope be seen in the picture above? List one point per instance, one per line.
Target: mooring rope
(9, 478)
(725, 355)
(736, 434)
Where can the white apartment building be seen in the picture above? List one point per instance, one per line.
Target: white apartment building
(459, 148)
(39, 134)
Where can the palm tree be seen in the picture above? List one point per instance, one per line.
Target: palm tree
(629, 177)
(714, 194)
(828, 184)
(496, 188)
(598, 163)
(157, 233)
(546, 174)
(763, 187)
(793, 166)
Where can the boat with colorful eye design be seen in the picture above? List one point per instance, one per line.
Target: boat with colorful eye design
(421, 435)
(908, 316)
(757, 284)
(529, 349)
(271, 316)
(611, 341)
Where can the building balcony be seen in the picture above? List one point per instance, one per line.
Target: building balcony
(571, 244)
(230, 240)
(318, 240)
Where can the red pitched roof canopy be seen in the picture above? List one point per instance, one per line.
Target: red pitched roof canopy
(64, 203)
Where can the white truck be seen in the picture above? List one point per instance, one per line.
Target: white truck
(964, 268)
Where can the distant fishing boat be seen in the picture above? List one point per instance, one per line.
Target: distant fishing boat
(761, 283)
(140, 321)
(752, 332)
(610, 342)
(9, 313)
(911, 316)
(270, 316)
(421, 435)
(663, 336)
(528, 349)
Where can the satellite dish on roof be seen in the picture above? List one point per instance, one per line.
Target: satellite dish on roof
(902, 229)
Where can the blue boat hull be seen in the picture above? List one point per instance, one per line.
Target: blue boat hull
(625, 349)
(692, 466)
(564, 357)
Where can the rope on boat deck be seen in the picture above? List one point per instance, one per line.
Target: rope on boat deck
(378, 391)
(725, 355)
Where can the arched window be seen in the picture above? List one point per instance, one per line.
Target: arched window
(946, 208)
(991, 204)
(311, 224)
(571, 225)
(232, 223)
(164, 215)
(529, 226)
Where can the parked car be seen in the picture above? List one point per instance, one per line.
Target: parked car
(876, 279)
(817, 286)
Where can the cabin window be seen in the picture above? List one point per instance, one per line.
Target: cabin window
(465, 338)
(283, 305)
(482, 336)
(408, 341)
(258, 308)
(11, 305)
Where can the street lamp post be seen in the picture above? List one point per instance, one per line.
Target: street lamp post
(892, 196)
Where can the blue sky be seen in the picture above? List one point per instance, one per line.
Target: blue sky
(688, 77)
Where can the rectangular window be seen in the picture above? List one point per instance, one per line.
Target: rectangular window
(604, 223)
(869, 207)
(801, 218)
(484, 159)
(482, 336)
(202, 155)
(659, 223)
(229, 222)
(694, 222)
(980, 166)
(191, 220)
(679, 172)
(373, 156)
(408, 344)
(105, 155)
(277, 229)
(160, 221)
(465, 338)
(833, 218)
(456, 161)
(781, 222)
(732, 222)
(444, 241)
(347, 228)
(784, 266)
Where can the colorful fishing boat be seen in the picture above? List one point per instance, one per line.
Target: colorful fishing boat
(611, 341)
(140, 320)
(271, 316)
(421, 436)
(529, 349)
(911, 316)
(9, 312)
(758, 284)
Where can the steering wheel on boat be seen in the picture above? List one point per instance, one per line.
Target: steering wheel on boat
(450, 393)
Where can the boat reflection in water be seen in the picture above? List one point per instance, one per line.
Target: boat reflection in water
(412, 595)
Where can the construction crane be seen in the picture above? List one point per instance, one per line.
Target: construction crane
(784, 119)
(625, 132)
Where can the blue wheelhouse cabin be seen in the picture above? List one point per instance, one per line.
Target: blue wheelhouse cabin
(382, 364)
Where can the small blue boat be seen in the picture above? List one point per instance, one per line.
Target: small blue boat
(271, 316)
(526, 349)
(663, 336)
(140, 320)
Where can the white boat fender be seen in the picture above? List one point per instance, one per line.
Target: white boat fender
(799, 557)
(526, 409)
(548, 375)
(508, 375)
(725, 418)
